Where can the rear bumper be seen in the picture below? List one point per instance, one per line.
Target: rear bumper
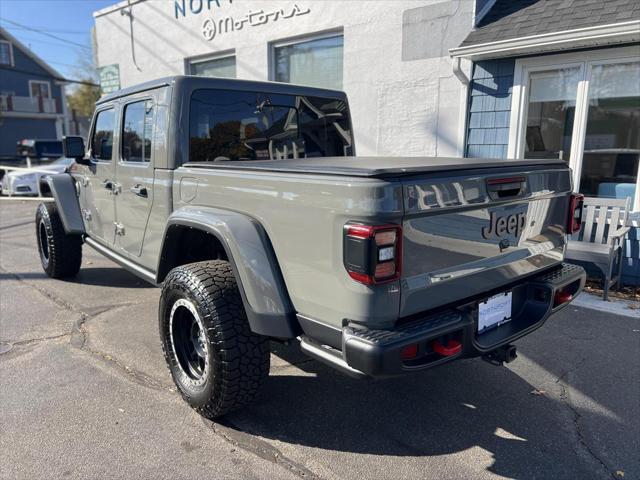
(378, 353)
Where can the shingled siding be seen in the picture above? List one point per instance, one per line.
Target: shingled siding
(488, 136)
(489, 108)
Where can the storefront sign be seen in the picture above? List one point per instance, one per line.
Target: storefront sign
(109, 78)
(183, 7)
(212, 27)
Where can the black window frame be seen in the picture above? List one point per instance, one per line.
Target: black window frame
(92, 156)
(123, 110)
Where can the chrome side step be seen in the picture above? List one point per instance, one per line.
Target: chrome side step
(122, 261)
(329, 356)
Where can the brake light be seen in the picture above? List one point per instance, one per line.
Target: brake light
(373, 253)
(575, 213)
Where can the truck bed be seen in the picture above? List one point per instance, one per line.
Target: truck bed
(374, 167)
(448, 212)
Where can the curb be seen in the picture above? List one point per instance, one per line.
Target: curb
(614, 306)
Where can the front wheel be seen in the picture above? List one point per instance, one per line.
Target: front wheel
(216, 361)
(60, 254)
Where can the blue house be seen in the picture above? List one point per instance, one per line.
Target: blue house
(32, 103)
(560, 79)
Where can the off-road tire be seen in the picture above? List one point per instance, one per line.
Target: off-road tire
(60, 254)
(237, 360)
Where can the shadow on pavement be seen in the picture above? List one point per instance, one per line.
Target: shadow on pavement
(114, 277)
(442, 411)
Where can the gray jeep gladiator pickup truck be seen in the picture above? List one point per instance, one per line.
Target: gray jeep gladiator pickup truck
(245, 201)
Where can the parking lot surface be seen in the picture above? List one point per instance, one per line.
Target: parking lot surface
(84, 393)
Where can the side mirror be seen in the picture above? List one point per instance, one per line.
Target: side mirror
(73, 147)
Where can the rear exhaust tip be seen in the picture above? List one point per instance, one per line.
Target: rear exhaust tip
(504, 354)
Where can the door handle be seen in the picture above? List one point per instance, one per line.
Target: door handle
(115, 187)
(139, 190)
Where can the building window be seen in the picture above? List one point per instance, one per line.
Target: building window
(137, 130)
(550, 113)
(6, 53)
(223, 66)
(583, 108)
(612, 133)
(316, 62)
(39, 89)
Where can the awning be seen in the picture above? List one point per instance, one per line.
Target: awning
(595, 36)
(509, 28)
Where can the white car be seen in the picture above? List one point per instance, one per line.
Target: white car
(25, 181)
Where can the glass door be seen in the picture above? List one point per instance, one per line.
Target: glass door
(551, 109)
(612, 135)
(584, 108)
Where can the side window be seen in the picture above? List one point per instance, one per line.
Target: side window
(137, 131)
(102, 139)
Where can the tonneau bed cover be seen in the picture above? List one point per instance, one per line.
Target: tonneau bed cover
(374, 167)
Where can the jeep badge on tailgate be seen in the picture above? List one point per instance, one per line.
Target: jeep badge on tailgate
(500, 226)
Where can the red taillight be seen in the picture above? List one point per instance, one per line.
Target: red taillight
(575, 213)
(372, 253)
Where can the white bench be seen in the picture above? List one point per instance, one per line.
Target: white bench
(601, 238)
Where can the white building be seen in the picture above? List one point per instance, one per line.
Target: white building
(476, 78)
(391, 57)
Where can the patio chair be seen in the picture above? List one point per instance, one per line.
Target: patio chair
(601, 239)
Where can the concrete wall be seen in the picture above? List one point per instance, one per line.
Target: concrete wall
(397, 72)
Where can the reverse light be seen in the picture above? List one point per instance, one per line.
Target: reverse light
(575, 213)
(372, 253)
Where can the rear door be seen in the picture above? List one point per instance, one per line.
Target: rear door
(97, 182)
(134, 173)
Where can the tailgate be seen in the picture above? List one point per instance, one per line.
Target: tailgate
(468, 234)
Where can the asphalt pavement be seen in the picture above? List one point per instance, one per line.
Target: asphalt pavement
(84, 393)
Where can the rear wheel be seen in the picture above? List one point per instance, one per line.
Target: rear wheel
(216, 361)
(60, 254)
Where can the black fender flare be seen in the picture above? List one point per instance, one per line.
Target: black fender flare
(65, 195)
(254, 263)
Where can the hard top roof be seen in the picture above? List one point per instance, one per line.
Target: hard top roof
(189, 82)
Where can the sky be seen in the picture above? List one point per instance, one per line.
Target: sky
(70, 21)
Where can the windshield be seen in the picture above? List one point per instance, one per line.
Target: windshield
(229, 125)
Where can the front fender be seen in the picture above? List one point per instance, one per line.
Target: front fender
(254, 263)
(66, 197)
